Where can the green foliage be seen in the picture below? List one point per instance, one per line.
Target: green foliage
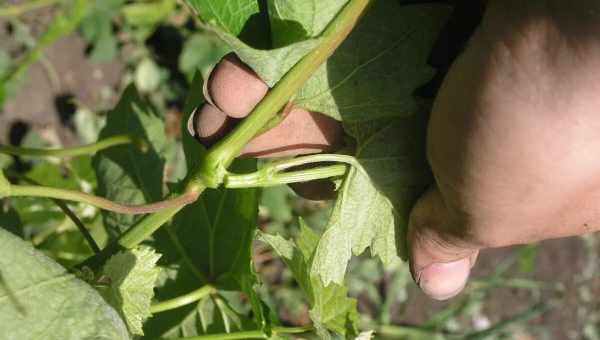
(229, 15)
(331, 308)
(126, 173)
(96, 28)
(148, 13)
(39, 298)
(372, 208)
(132, 275)
(4, 185)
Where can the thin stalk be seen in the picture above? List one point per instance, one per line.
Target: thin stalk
(183, 300)
(267, 179)
(99, 202)
(251, 334)
(88, 149)
(318, 158)
(214, 166)
(20, 9)
(70, 214)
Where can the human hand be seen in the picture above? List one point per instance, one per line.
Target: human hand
(511, 140)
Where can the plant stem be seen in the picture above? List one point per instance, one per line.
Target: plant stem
(251, 334)
(99, 202)
(70, 214)
(88, 149)
(183, 300)
(263, 178)
(20, 9)
(214, 166)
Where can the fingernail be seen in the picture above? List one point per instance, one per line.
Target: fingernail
(442, 281)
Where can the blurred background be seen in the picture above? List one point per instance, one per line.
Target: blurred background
(60, 71)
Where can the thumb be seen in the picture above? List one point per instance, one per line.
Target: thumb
(440, 261)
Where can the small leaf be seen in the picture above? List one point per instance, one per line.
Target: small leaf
(331, 308)
(39, 297)
(132, 276)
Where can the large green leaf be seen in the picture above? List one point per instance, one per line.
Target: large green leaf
(331, 308)
(372, 206)
(126, 173)
(40, 299)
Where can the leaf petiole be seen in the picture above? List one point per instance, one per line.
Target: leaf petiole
(251, 334)
(88, 149)
(183, 300)
(266, 177)
(99, 202)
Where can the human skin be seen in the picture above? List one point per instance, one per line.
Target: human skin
(513, 139)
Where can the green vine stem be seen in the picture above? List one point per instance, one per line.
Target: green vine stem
(82, 150)
(266, 177)
(183, 300)
(99, 202)
(20, 9)
(213, 169)
(252, 334)
(69, 213)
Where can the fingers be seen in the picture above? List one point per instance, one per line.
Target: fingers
(234, 90)
(300, 132)
(440, 263)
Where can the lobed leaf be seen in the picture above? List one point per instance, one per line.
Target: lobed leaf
(132, 275)
(372, 206)
(40, 299)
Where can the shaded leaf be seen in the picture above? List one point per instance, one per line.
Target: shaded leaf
(126, 173)
(374, 73)
(211, 241)
(39, 298)
(132, 276)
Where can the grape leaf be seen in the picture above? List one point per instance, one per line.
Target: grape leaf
(372, 206)
(40, 299)
(331, 308)
(126, 173)
(374, 72)
(371, 75)
(132, 276)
